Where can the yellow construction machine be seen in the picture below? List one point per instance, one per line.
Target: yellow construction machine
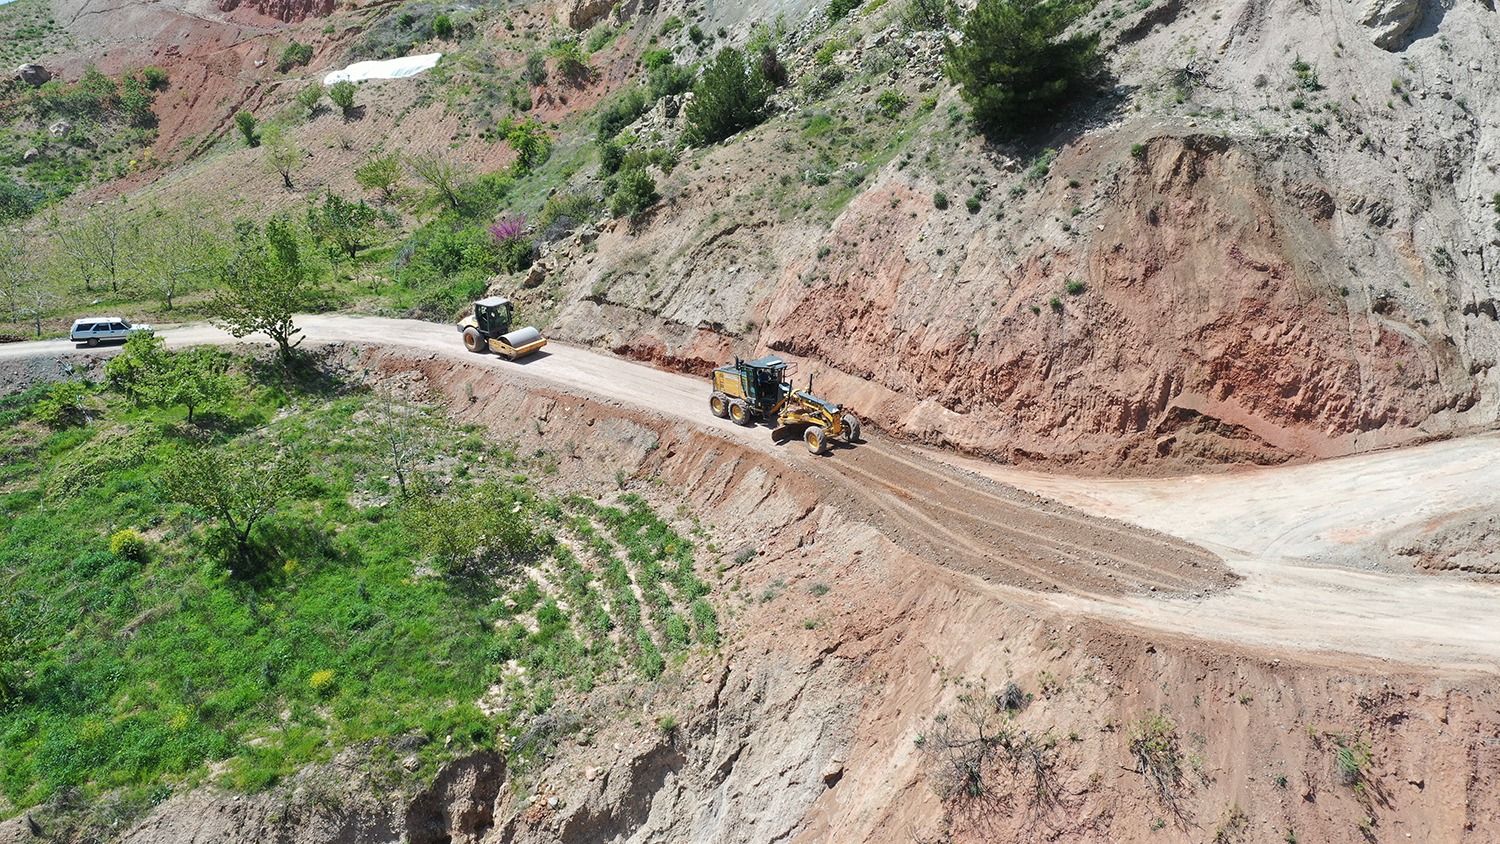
(748, 390)
(488, 329)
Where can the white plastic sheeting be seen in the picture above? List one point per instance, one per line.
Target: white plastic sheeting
(387, 69)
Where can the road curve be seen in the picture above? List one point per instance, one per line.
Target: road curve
(1125, 551)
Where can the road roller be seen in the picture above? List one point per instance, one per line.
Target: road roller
(748, 390)
(488, 329)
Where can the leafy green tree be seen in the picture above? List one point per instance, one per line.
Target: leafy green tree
(341, 94)
(531, 144)
(442, 27)
(345, 227)
(236, 489)
(729, 98)
(478, 532)
(295, 54)
(1013, 65)
(282, 153)
(264, 284)
(442, 175)
(246, 123)
(65, 404)
(197, 379)
(382, 173)
(138, 371)
(309, 97)
(17, 200)
(636, 193)
(148, 375)
(179, 251)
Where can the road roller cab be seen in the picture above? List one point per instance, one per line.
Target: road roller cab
(488, 329)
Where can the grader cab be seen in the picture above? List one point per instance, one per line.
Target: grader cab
(489, 330)
(749, 390)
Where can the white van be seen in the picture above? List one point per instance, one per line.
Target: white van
(95, 330)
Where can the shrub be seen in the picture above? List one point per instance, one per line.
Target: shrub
(322, 682)
(565, 212)
(442, 27)
(840, 9)
(891, 103)
(308, 97)
(929, 15)
(128, 545)
(669, 80)
(973, 203)
(1014, 67)
(536, 69)
(571, 61)
(653, 59)
(729, 98)
(1076, 287)
(246, 123)
(341, 94)
(62, 405)
(635, 193)
(619, 113)
(611, 156)
(1153, 742)
(1138, 151)
(17, 200)
(771, 68)
(294, 55)
(154, 77)
(940, 201)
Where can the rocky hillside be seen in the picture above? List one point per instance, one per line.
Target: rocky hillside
(1251, 246)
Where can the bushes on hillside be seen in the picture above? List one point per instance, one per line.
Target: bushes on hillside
(1013, 65)
(729, 98)
(295, 55)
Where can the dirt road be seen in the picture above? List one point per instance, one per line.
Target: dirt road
(1121, 550)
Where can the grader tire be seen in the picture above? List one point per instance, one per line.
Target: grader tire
(851, 428)
(816, 439)
(739, 413)
(474, 341)
(718, 405)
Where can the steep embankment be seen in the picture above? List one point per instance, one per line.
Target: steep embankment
(1261, 248)
(821, 720)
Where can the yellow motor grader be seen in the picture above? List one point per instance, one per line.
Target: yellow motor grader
(488, 329)
(748, 390)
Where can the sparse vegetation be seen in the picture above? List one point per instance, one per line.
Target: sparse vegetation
(975, 754)
(1152, 740)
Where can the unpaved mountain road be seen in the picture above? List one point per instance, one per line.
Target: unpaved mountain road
(1118, 550)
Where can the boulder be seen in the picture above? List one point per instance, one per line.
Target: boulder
(1390, 21)
(582, 14)
(33, 74)
(60, 128)
(31, 155)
